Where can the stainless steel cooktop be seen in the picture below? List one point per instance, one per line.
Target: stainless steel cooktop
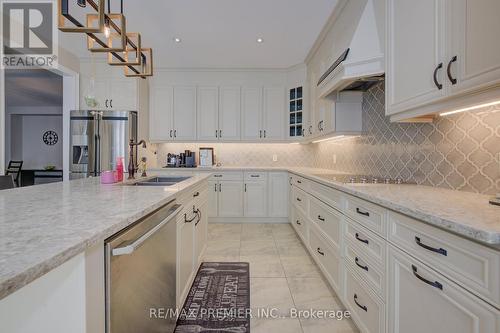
(361, 179)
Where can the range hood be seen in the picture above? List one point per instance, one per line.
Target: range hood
(360, 63)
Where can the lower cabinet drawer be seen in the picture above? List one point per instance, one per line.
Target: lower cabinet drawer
(371, 244)
(299, 223)
(475, 267)
(327, 194)
(367, 309)
(327, 257)
(299, 199)
(421, 300)
(364, 265)
(327, 219)
(367, 214)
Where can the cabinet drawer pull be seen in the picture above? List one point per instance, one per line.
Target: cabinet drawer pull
(360, 266)
(198, 213)
(363, 307)
(217, 176)
(196, 194)
(361, 212)
(299, 182)
(255, 176)
(448, 71)
(320, 252)
(299, 199)
(436, 82)
(320, 218)
(361, 239)
(435, 284)
(432, 249)
(298, 222)
(186, 220)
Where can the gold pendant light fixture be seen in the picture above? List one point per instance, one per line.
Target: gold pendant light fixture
(107, 33)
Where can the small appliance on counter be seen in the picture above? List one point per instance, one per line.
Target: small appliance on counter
(187, 159)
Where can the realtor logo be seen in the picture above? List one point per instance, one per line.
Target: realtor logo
(28, 34)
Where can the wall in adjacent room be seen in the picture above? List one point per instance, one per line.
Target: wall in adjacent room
(460, 152)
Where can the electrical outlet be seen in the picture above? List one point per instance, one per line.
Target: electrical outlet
(275, 158)
(334, 158)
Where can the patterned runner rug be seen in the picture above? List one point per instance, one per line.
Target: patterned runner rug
(219, 300)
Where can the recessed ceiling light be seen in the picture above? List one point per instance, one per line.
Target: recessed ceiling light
(260, 40)
(177, 40)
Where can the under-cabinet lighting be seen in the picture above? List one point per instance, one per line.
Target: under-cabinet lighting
(330, 138)
(470, 108)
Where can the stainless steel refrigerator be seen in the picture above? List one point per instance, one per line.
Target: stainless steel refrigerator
(98, 138)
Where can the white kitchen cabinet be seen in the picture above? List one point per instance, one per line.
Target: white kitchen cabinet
(230, 201)
(251, 113)
(475, 28)
(208, 113)
(161, 117)
(421, 300)
(255, 199)
(213, 199)
(185, 248)
(415, 51)
(278, 194)
(118, 94)
(184, 113)
(229, 113)
(274, 113)
(441, 55)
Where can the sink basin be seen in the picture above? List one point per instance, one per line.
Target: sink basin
(161, 181)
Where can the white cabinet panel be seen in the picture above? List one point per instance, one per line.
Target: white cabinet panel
(255, 199)
(161, 113)
(251, 113)
(213, 198)
(185, 113)
(274, 113)
(230, 198)
(200, 234)
(475, 29)
(208, 113)
(421, 300)
(185, 253)
(415, 48)
(278, 194)
(229, 113)
(123, 95)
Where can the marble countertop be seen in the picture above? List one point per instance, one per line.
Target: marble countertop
(464, 213)
(43, 226)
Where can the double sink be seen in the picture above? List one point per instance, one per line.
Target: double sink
(160, 181)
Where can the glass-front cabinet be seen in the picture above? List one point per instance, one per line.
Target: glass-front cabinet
(295, 113)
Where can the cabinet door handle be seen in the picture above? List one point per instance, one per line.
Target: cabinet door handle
(435, 284)
(186, 220)
(264, 133)
(298, 222)
(299, 199)
(436, 82)
(196, 194)
(175, 133)
(220, 187)
(216, 134)
(299, 182)
(170, 133)
(310, 130)
(361, 306)
(198, 213)
(361, 239)
(359, 265)
(245, 187)
(320, 218)
(448, 70)
(215, 187)
(220, 134)
(106, 103)
(361, 212)
(432, 249)
(260, 134)
(290, 180)
(320, 252)
(111, 103)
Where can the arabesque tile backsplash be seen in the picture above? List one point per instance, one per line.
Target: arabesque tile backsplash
(458, 152)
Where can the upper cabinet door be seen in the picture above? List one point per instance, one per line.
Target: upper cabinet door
(251, 113)
(161, 113)
(474, 35)
(185, 113)
(208, 111)
(274, 113)
(123, 94)
(229, 113)
(415, 68)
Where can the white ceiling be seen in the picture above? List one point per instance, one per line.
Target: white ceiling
(223, 33)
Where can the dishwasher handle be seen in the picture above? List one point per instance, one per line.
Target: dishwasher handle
(129, 249)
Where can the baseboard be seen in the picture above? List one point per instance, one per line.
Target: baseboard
(248, 220)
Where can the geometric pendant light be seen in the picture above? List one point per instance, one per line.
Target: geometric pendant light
(67, 22)
(113, 37)
(145, 69)
(131, 55)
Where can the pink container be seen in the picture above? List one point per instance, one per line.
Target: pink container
(119, 169)
(108, 177)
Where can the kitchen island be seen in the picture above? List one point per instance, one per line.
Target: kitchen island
(60, 228)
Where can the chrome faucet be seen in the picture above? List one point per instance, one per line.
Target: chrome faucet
(131, 165)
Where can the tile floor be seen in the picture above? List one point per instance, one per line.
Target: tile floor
(282, 276)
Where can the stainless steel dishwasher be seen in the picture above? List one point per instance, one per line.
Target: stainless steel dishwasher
(141, 274)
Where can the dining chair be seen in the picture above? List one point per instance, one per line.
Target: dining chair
(14, 168)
